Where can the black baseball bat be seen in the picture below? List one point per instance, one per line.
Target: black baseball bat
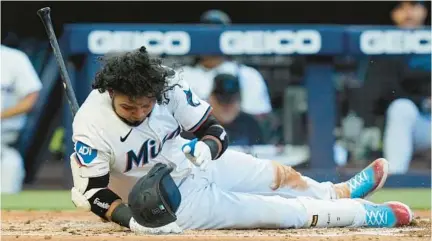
(44, 14)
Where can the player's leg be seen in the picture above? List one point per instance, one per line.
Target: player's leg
(12, 170)
(240, 172)
(422, 133)
(210, 207)
(405, 131)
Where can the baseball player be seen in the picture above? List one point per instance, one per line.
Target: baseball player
(20, 86)
(255, 99)
(129, 126)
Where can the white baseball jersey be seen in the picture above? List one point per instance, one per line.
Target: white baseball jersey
(18, 79)
(234, 192)
(104, 143)
(254, 93)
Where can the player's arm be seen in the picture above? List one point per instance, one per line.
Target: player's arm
(23, 106)
(28, 85)
(91, 192)
(195, 116)
(90, 170)
(213, 135)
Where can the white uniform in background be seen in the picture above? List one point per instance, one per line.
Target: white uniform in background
(255, 97)
(18, 79)
(235, 191)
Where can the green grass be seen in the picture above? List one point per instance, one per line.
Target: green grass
(416, 198)
(60, 200)
(37, 200)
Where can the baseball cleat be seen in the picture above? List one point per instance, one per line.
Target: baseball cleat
(369, 180)
(387, 215)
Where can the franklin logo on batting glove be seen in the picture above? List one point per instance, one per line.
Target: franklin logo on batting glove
(101, 204)
(198, 153)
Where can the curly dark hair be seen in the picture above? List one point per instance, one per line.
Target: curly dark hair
(134, 74)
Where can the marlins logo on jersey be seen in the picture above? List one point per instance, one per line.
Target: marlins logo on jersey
(148, 150)
(190, 98)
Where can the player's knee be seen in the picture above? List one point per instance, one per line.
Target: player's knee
(12, 172)
(286, 176)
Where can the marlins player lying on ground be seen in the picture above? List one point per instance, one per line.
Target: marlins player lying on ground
(131, 121)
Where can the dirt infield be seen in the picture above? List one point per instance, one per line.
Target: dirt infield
(75, 225)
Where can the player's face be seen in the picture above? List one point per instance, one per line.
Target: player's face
(132, 111)
(224, 112)
(211, 62)
(408, 15)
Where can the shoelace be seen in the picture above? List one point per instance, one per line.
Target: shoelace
(357, 180)
(376, 217)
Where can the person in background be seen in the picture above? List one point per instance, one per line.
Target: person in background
(400, 85)
(255, 99)
(242, 128)
(20, 86)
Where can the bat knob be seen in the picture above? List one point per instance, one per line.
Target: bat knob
(44, 11)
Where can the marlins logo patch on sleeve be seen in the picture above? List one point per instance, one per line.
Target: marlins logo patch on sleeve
(85, 153)
(190, 98)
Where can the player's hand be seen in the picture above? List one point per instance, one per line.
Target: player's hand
(79, 200)
(167, 229)
(198, 153)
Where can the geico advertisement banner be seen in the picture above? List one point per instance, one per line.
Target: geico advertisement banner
(270, 42)
(156, 42)
(226, 42)
(247, 39)
(394, 42)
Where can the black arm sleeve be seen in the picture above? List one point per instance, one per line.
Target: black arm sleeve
(211, 127)
(122, 215)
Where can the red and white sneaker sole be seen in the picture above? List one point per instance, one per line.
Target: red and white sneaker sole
(403, 213)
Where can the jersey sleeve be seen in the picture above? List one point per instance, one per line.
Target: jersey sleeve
(27, 79)
(90, 150)
(188, 109)
(255, 95)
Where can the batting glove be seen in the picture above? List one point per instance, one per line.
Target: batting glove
(198, 153)
(167, 229)
(80, 200)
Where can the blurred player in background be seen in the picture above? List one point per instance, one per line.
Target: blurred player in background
(241, 127)
(401, 85)
(20, 86)
(255, 98)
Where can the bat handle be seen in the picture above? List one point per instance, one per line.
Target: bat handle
(44, 12)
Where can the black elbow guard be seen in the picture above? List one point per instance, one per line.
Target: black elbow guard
(212, 128)
(218, 132)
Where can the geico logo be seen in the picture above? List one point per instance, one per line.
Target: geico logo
(270, 42)
(395, 42)
(172, 42)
